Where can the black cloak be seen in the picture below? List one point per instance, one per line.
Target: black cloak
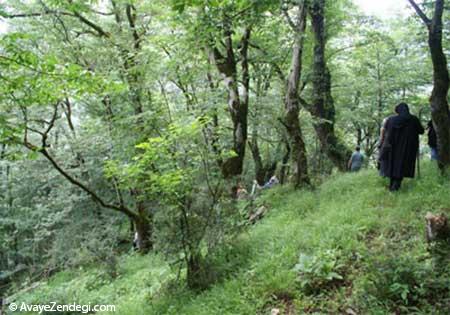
(402, 143)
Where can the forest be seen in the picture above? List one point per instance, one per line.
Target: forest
(193, 156)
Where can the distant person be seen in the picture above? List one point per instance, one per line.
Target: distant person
(272, 182)
(239, 192)
(356, 160)
(242, 193)
(432, 141)
(401, 145)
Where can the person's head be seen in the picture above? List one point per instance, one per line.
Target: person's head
(358, 148)
(402, 109)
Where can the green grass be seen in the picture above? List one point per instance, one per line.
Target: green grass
(350, 226)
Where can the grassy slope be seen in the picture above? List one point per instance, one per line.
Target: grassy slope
(377, 245)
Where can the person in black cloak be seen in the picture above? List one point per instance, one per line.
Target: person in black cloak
(401, 145)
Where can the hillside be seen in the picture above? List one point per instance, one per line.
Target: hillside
(350, 247)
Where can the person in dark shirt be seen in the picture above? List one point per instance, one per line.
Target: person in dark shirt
(401, 145)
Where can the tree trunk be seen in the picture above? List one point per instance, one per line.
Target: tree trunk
(438, 100)
(291, 116)
(132, 66)
(227, 66)
(358, 136)
(193, 273)
(323, 105)
(285, 166)
(198, 275)
(262, 171)
(213, 134)
(144, 234)
(143, 224)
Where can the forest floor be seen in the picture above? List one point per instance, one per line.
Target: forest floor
(349, 247)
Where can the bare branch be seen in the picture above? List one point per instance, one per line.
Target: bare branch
(89, 23)
(92, 25)
(71, 179)
(36, 131)
(36, 14)
(68, 113)
(422, 15)
(102, 13)
(43, 150)
(304, 103)
(131, 16)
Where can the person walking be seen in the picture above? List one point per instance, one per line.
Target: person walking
(356, 160)
(401, 145)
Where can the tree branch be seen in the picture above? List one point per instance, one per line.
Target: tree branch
(304, 103)
(43, 150)
(92, 25)
(283, 123)
(422, 15)
(438, 11)
(131, 16)
(77, 183)
(244, 64)
(35, 14)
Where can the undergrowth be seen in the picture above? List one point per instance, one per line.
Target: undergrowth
(349, 247)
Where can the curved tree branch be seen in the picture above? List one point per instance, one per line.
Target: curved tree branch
(87, 190)
(422, 15)
(43, 150)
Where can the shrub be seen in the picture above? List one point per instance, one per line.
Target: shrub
(319, 271)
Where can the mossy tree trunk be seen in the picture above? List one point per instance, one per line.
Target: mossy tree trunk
(322, 108)
(291, 119)
(438, 100)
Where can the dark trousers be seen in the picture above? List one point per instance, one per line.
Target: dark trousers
(395, 183)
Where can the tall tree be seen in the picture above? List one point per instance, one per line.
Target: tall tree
(226, 64)
(291, 103)
(323, 108)
(438, 100)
